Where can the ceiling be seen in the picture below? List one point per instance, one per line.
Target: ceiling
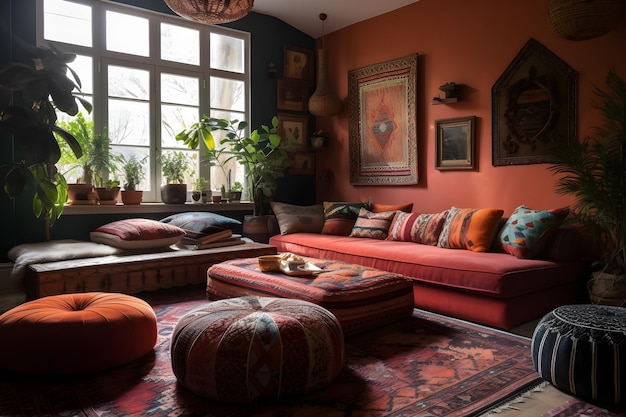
(304, 14)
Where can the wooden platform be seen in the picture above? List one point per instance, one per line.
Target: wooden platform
(131, 274)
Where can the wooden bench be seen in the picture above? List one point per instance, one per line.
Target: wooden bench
(132, 274)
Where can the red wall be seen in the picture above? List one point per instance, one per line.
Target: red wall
(471, 43)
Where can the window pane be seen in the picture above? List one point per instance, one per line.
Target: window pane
(127, 34)
(129, 122)
(220, 174)
(67, 22)
(227, 94)
(180, 44)
(180, 89)
(139, 154)
(173, 120)
(129, 83)
(227, 53)
(82, 66)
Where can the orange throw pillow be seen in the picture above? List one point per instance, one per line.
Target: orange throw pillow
(471, 229)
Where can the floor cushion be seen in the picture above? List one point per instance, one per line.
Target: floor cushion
(361, 298)
(581, 350)
(76, 333)
(244, 349)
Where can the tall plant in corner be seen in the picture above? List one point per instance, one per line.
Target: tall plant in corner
(594, 171)
(29, 98)
(263, 154)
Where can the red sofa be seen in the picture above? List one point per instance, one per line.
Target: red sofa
(492, 288)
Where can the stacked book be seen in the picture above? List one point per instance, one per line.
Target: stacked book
(196, 240)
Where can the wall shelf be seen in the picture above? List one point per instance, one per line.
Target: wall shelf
(437, 100)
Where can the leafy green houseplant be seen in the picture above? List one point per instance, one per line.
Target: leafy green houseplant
(263, 154)
(29, 98)
(594, 171)
(174, 166)
(133, 169)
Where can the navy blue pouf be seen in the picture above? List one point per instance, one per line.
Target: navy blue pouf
(581, 350)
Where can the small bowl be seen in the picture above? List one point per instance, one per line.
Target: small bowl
(269, 263)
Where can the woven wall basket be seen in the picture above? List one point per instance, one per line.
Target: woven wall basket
(578, 20)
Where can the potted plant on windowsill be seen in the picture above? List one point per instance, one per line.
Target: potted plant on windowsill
(32, 122)
(594, 171)
(234, 195)
(263, 154)
(133, 174)
(174, 166)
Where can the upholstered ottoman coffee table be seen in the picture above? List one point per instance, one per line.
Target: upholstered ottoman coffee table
(361, 298)
(245, 349)
(581, 350)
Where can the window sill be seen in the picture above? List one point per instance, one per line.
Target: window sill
(154, 208)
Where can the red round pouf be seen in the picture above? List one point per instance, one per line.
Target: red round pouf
(76, 333)
(242, 349)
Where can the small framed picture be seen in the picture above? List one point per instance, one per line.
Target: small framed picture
(292, 94)
(302, 163)
(455, 143)
(294, 126)
(298, 63)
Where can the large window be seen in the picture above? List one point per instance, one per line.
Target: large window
(148, 75)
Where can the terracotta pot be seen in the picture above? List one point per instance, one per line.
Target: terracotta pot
(108, 195)
(132, 197)
(80, 194)
(174, 193)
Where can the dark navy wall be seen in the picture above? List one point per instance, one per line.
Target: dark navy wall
(268, 37)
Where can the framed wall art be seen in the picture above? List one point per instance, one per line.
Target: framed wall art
(294, 126)
(298, 63)
(382, 131)
(292, 94)
(534, 105)
(454, 143)
(302, 163)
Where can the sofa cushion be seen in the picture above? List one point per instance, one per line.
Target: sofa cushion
(472, 229)
(372, 225)
(339, 217)
(527, 232)
(293, 219)
(418, 228)
(202, 222)
(137, 234)
(377, 208)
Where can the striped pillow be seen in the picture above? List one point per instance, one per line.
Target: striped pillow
(372, 225)
(418, 228)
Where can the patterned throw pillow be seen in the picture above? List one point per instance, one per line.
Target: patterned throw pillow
(339, 217)
(202, 222)
(137, 234)
(527, 232)
(377, 208)
(372, 225)
(418, 228)
(472, 229)
(298, 219)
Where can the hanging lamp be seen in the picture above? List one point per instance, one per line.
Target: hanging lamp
(323, 102)
(579, 20)
(211, 11)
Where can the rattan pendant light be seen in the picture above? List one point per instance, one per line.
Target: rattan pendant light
(579, 20)
(323, 102)
(211, 11)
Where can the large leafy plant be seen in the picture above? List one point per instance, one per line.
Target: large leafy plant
(29, 98)
(263, 154)
(594, 171)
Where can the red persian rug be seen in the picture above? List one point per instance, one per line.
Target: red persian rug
(428, 365)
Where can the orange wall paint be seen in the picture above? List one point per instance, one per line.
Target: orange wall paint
(470, 42)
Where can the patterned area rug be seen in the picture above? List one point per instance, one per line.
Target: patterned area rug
(428, 365)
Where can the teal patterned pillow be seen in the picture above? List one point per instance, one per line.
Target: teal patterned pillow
(527, 232)
(372, 225)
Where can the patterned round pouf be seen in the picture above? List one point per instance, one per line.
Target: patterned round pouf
(242, 349)
(76, 333)
(581, 350)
